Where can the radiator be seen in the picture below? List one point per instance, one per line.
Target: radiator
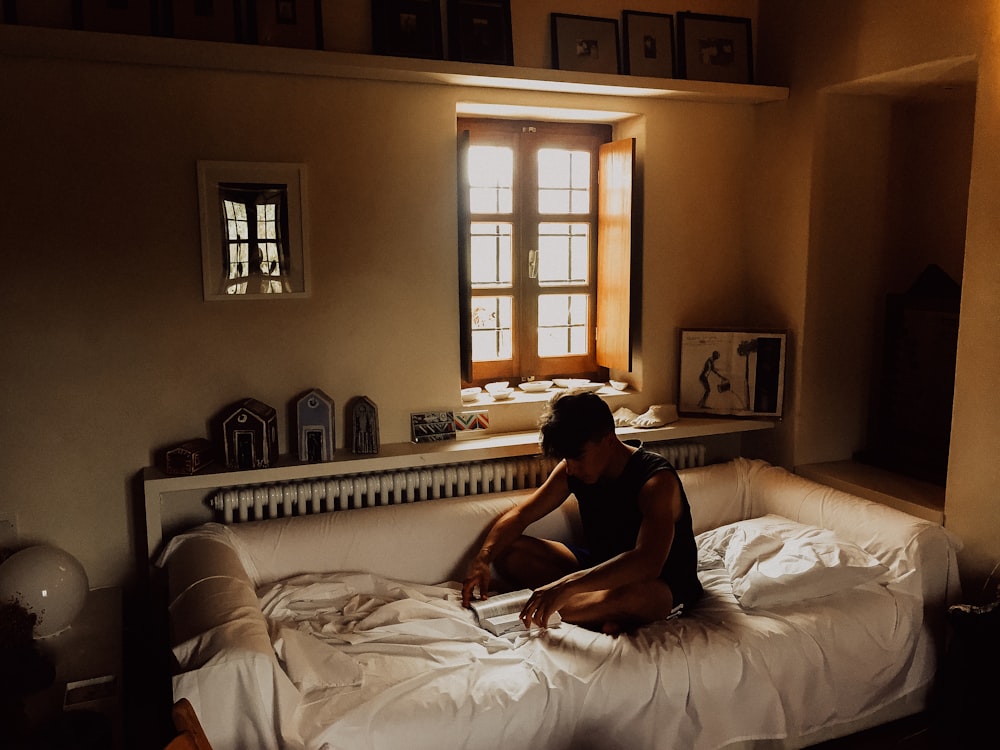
(392, 487)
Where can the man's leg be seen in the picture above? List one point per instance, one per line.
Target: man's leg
(616, 610)
(530, 562)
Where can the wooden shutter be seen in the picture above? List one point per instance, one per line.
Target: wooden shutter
(618, 292)
(464, 258)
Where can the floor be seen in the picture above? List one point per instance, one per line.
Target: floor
(911, 733)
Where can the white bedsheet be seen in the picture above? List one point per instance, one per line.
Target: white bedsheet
(383, 665)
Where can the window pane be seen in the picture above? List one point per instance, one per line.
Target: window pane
(491, 179)
(563, 181)
(492, 321)
(239, 257)
(270, 264)
(492, 259)
(563, 253)
(562, 324)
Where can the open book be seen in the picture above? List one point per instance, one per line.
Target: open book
(499, 613)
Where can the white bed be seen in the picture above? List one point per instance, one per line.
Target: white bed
(347, 633)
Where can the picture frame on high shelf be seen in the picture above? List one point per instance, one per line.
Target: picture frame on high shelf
(54, 14)
(285, 23)
(203, 21)
(254, 230)
(649, 44)
(479, 31)
(585, 43)
(738, 373)
(714, 48)
(407, 28)
(118, 16)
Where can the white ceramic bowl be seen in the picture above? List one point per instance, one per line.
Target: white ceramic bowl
(470, 394)
(588, 387)
(500, 385)
(570, 382)
(535, 386)
(501, 394)
(618, 385)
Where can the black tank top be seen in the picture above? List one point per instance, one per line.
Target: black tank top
(611, 518)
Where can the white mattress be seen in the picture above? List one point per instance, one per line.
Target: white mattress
(384, 664)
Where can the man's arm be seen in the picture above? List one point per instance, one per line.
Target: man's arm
(509, 526)
(660, 505)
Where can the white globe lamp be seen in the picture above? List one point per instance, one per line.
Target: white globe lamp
(48, 582)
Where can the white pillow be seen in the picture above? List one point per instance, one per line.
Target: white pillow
(773, 561)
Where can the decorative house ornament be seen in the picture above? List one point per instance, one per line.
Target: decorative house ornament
(314, 413)
(250, 433)
(364, 426)
(189, 457)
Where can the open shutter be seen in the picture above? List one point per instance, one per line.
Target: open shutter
(618, 298)
(464, 258)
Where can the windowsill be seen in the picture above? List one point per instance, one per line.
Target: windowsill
(522, 397)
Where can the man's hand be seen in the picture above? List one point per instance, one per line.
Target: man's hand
(545, 602)
(477, 577)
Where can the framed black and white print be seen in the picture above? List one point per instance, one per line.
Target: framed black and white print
(731, 372)
(479, 31)
(714, 48)
(286, 23)
(55, 14)
(208, 20)
(585, 43)
(254, 230)
(649, 44)
(407, 28)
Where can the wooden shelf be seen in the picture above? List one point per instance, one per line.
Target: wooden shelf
(26, 41)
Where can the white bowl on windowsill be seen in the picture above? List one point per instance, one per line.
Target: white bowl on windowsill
(501, 394)
(535, 386)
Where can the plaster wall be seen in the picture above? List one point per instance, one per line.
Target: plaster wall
(109, 352)
(816, 48)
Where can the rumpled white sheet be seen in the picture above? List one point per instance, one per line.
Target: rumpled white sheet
(384, 665)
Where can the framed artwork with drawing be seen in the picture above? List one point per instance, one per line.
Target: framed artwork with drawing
(732, 372)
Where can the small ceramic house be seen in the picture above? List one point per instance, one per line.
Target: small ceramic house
(250, 433)
(364, 426)
(314, 415)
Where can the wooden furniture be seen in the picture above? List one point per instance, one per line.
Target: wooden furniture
(191, 735)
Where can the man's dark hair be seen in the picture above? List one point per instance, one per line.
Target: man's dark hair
(571, 420)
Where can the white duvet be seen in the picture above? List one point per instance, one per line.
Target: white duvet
(385, 664)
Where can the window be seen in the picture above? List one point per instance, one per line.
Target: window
(529, 229)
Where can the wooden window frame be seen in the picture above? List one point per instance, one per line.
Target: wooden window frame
(525, 361)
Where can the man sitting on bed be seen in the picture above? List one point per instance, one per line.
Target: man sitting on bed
(639, 562)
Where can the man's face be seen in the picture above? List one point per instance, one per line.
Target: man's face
(589, 466)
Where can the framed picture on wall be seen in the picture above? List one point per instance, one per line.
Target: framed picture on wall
(118, 16)
(585, 43)
(649, 44)
(714, 48)
(407, 28)
(731, 372)
(479, 31)
(286, 23)
(197, 19)
(54, 14)
(254, 230)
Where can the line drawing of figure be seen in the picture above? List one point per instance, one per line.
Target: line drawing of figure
(709, 369)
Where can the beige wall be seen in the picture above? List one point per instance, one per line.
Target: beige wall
(109, 352)
(808, 146)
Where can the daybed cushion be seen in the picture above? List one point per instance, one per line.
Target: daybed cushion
(774, 562)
